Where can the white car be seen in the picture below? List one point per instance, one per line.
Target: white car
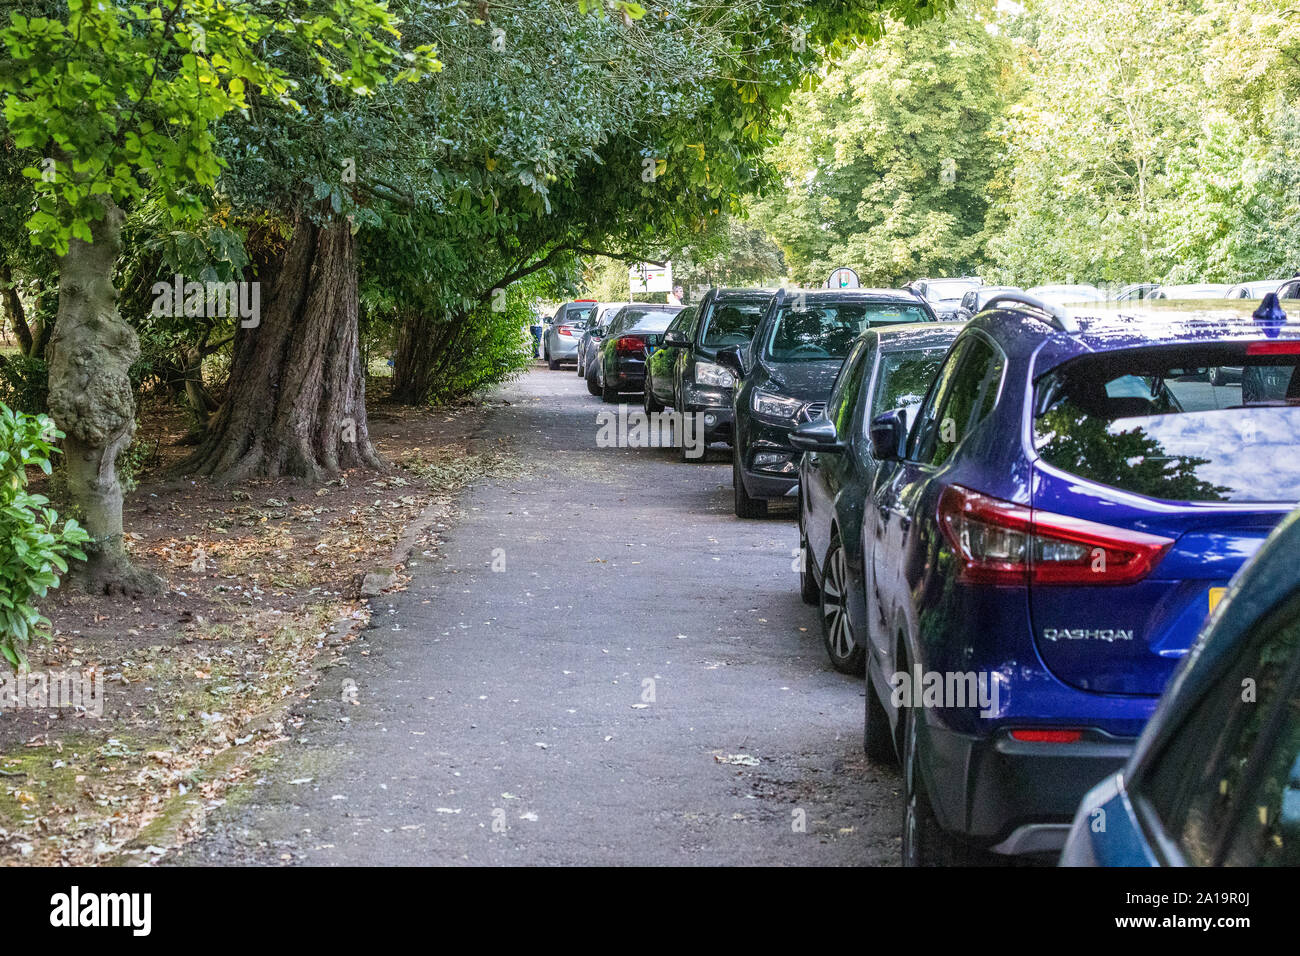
(1209, 290)
(561, 335)
(1061, 294)
(1254, 290)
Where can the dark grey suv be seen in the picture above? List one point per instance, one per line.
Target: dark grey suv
(684, 373)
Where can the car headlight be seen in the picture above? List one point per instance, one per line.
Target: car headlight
(774, 407)
(706, 373)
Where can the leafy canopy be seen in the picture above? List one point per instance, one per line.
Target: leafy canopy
(117, 99)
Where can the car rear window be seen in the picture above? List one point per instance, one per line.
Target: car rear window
(810, 332)
(1187, 423)
(576, 315)
(944, 289)
(653, 322)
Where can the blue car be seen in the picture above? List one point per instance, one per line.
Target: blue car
(1072, 499)
(1215, 778)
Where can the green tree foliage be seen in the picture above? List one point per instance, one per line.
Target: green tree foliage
(34, 545)
(734, 252)
(1156, 141)
(1106, 104)
(120, 97)
(1105, 141)
(886, 164)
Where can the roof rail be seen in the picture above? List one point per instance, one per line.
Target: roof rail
(1057, 317)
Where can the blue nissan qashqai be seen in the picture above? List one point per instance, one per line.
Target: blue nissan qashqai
(1069, 503)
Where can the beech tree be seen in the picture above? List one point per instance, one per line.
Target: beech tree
(268, 107)
(118, 100)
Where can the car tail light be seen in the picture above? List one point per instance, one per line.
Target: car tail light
(629, 343)
(1002, 543)
(565, 330)
(1273, 348)
(1047, 736)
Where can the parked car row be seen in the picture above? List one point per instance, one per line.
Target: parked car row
(1014, 527)
(961, 298)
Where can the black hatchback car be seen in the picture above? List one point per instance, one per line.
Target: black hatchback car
(786, 374)
(888, 368)
(633, 334)
(685, 374)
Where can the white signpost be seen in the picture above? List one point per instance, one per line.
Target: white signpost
(648, 277)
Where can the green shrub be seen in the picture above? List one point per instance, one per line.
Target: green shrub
(34, 549)
(24, 383)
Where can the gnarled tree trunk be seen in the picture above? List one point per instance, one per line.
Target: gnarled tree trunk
(89, 355)
(296, 400)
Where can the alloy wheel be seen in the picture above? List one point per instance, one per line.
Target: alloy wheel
(839, 628)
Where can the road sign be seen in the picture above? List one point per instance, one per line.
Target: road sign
(844, 278)
(648, 277)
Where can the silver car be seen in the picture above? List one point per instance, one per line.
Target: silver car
(561, 335)
(1062, 294)
(590, 340)
(1207, 290)
(1254, 290)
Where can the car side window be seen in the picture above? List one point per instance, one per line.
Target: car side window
(1290, 290)
(927, 419)
(844, 396)
(697, 313)
(1237, 800)
(967, 400)
(684, 320)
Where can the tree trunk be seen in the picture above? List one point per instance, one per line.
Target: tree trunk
(89, 355)
(190, 374)
(423, 344)
(42, 323)
(13, 307)
(296, 399)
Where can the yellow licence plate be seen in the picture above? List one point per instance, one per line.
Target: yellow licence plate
(1216, 595)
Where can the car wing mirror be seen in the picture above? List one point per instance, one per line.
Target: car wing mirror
(675, 339)
(818, 435)
(732, 359)
(889, 435)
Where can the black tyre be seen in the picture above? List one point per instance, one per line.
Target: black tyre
(925, 843)
(809, 592)
(746, 507)
(652, 404)
(553, 364)
(846, 653)
(592, 385)
(606, 393)
(877, 741)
